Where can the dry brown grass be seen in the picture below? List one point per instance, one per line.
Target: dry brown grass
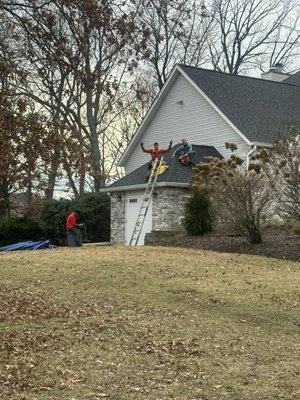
(147, 323)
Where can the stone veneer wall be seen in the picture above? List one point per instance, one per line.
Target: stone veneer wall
(168, 208)
(167, 212)
(117, 219)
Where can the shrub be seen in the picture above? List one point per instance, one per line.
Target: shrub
(197, 220)
(241, 197)
(94, 212)
(296, 229)
(53, 219)
(16, 230)
(285, 165)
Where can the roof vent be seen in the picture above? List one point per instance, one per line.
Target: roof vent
(279, 68)
(275, 73)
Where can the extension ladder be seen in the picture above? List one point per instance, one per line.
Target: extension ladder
(147, 198)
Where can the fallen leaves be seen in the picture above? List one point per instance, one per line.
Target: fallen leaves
(122, 323)
(178, 347)
(18, 304)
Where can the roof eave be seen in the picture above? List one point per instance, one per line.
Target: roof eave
(261, 144)
(143, 186)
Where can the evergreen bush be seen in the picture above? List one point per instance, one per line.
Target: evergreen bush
(94, 211)
(197, 219)
(53, 219)
(21, 229)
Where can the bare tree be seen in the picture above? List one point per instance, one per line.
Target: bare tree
(253, 33)
(175, 34)
(137, 97)
(285, 166)
(241, 198)
(79, 53)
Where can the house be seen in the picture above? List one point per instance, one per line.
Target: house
(209, 108)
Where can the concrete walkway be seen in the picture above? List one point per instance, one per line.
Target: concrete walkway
(97, 244)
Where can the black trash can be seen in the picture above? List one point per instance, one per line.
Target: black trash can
(74, 237)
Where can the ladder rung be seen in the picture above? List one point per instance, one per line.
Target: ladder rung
(145, 202)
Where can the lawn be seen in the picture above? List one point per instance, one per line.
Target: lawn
(147, 323)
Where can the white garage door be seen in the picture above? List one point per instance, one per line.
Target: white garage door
(133, 204)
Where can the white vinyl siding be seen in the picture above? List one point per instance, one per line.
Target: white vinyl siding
(194, 119)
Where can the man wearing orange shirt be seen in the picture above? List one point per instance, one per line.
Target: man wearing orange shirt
(74, 233)
(156, 152)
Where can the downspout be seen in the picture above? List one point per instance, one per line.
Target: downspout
(249, 154)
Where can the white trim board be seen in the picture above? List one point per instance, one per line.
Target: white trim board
(143, 186)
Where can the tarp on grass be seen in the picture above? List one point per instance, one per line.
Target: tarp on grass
(29, 245)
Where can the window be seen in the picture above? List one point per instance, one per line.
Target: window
(132, 200)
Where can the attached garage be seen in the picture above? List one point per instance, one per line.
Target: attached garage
(166, 208)
(132, 206)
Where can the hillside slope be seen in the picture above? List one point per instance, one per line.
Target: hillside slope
(147, 323)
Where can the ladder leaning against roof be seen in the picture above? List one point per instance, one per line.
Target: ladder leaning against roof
(147, 198)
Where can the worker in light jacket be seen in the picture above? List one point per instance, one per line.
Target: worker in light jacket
(185, 152)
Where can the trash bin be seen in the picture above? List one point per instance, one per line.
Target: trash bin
(74, 237)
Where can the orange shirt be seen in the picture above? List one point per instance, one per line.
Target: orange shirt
(72, 221)
(156, 154)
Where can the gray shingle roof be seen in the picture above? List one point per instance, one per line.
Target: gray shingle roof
(260, 109)
(176, 173)
(293, 79)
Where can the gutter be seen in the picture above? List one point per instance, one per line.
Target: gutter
(143, 186)
(261, 144)
(254, 146)
(249, 154)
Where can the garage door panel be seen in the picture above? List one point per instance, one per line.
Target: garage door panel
(133, 204)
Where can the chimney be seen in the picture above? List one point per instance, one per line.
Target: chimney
(275, 73)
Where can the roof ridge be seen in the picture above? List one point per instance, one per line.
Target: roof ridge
(239, 76)
(194, 144)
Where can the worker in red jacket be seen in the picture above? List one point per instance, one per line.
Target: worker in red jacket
(155, 152)
(74, 233)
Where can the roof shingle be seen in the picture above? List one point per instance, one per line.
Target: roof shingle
(176, 173)
(260, 109)
(293, 79)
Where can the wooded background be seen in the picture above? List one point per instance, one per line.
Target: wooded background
(77, 76)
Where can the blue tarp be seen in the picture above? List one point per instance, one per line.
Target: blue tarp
(44, 244)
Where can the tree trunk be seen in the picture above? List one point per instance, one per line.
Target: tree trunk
(95, 150)
(69, 174)
(4, 204)
(82, 181)
(97, 175)
(52, 176)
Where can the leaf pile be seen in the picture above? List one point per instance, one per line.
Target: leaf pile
(18, 304)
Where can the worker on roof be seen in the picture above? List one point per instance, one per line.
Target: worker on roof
(185, 152)
(156, 153)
